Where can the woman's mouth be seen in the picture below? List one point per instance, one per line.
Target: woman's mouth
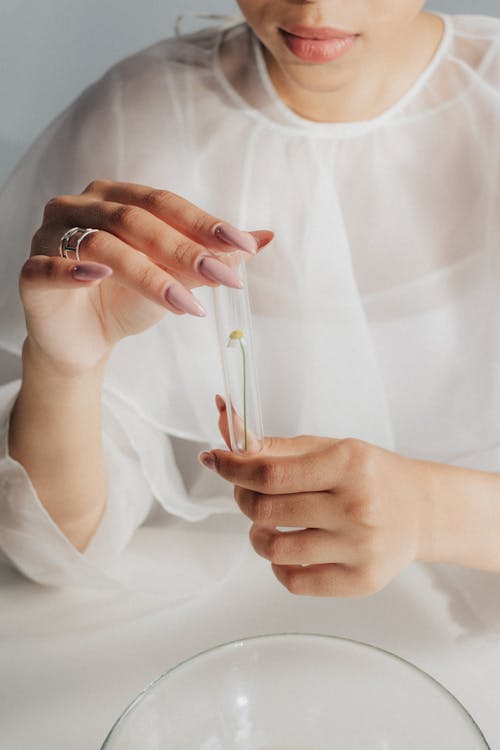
(318, 45)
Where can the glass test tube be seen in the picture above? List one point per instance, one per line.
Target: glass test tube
(233, 319)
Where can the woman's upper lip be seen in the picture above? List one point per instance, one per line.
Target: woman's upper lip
(320, 32)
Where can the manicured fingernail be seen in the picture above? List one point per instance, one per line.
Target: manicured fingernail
(236, 238)
(263, 237)
(220, 403)
(214, 270)
(208, 460)
(90, 271)
(183, 300)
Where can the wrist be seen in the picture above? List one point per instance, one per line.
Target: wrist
(434, 531)
(38, 364)
(55, 432)
(49, 392)
(462, 517)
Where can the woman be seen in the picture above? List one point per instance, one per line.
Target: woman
(364, 135)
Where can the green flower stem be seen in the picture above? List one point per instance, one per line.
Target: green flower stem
(244, 394)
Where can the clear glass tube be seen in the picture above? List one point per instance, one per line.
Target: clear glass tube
(234, 331)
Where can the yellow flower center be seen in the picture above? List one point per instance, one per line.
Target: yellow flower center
(235, 335)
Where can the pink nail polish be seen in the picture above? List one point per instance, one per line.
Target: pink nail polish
(263, 237)
(208, 460)
(180, 298)
(220, 403)
(214, 270)
(236, 238)
(90, 271)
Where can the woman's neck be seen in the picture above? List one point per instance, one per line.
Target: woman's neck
(362, 91)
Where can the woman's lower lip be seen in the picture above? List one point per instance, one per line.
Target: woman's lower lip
(318, 50)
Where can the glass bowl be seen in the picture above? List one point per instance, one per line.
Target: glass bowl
(295, 692)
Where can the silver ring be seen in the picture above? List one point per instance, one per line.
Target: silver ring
(71, 240)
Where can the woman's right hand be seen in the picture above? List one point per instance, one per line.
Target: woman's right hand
(151, 249)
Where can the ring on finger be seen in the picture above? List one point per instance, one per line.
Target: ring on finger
(71, 240)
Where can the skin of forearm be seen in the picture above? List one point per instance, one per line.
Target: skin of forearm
(464, 518)
(56, 434)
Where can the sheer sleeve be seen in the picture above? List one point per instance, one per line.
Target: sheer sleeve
(33, 542)
(147, 489)
(137, 545)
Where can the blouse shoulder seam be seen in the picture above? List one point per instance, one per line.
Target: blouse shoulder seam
(462, 22)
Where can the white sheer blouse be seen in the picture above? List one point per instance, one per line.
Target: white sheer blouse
(375, 309)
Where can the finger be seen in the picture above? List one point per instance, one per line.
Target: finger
(295, 446)
(271, 445)
(135, 271)
(333, 580)
(200, 226)
(142, 231)
(220, 402)
(305, 547)
(263, 237)
(253, 445)
(309, 472)
(48, 272)
(300, 510)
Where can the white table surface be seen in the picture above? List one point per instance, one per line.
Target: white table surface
(70, 661)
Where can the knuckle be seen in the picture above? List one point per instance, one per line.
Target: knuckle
(361, 456)
(245, 500)
(158, 201)
(364, 511)
(295, 582)
(261, 508)
(46, 267)
(278, 548)
(199, 224)
(94, 244)
(146, 276)
(370, 511)
(153, 241)
(367, 539)
(182, 252)
(38, 236)
(268, 475)
(349, 449)
(371, 547)
(40, 243)
(96, 187)
(368, 465)
(125, 217)
(54, 207)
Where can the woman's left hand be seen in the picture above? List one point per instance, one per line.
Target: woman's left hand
(359, 513)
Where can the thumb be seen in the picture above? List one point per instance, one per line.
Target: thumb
(294, 446)
(253, 444)
(223, 424)
(271, 446)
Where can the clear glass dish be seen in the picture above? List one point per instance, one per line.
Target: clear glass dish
(295, 692)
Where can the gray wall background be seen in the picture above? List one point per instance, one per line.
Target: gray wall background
(51, 49)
